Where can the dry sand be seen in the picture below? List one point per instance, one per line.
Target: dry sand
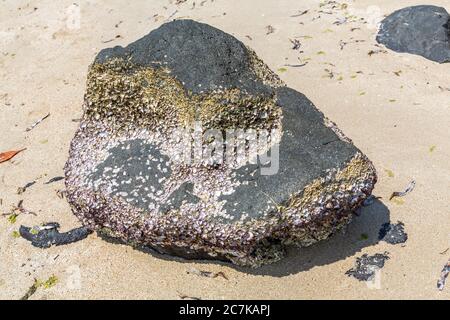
(390, 105)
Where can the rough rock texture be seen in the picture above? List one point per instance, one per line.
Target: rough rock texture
(421, 30)
(128, 178)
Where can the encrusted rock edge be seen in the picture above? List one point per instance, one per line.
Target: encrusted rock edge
(252, 243)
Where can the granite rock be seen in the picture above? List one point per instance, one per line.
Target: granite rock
(190, 145)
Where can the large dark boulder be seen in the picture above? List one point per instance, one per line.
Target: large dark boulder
(129, 175)
(421, 30)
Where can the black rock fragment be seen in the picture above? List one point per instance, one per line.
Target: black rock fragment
(48, 235)
(366, 266)
(393, 233)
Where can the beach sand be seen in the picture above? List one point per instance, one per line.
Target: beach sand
(395, 107)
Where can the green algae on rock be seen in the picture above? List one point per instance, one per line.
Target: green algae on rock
(190, 145)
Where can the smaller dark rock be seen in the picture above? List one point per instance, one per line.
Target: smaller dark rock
(366, 266)
(48, 235)
(421, 30)
(393, 233)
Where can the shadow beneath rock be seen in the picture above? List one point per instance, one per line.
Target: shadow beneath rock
(362, 232)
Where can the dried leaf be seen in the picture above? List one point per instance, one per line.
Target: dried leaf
(183, 297)
(55, 179)
(8, 155)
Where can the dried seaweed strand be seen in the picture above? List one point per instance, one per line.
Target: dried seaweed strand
(207, 274)
(296, 65)
(410, 188)
(183, 297)
(55, 179)
(32, 290)
(37, 123)
(443, 277)
(19, 209)
(21, 190)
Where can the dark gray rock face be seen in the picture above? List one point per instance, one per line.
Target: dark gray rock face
(306, 151)
(422, 30)
(201, 58)
(164, 156)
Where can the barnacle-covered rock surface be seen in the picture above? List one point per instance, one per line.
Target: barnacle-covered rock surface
(289, 175)
(423, 30)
